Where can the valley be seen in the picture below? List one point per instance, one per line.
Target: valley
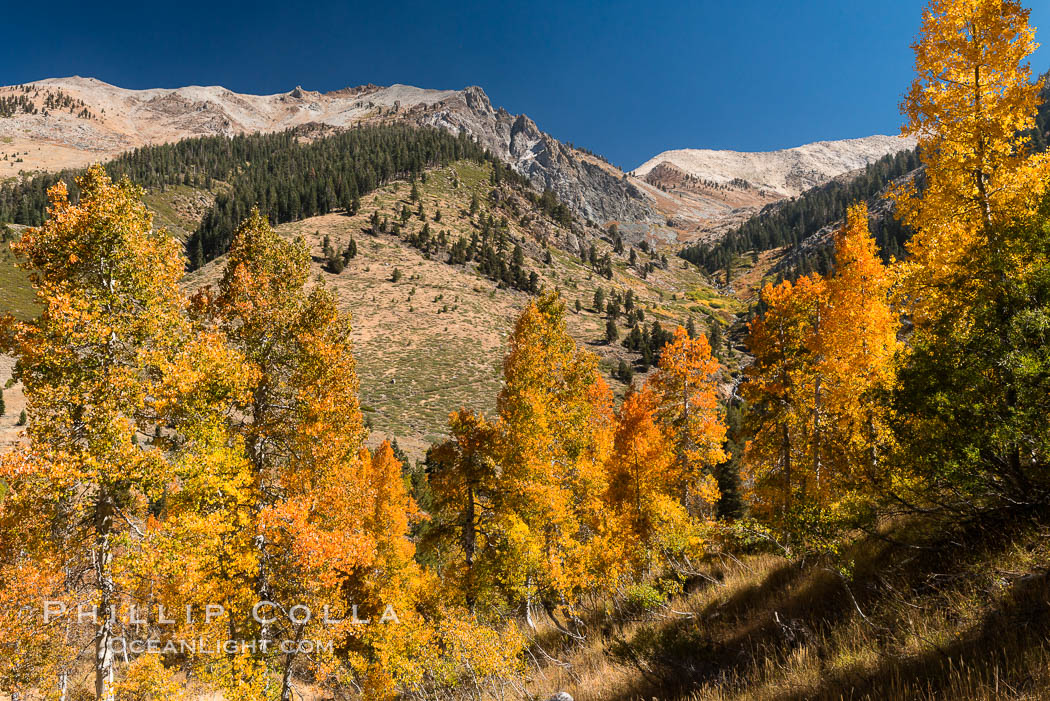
(412, 400)
(451, 316)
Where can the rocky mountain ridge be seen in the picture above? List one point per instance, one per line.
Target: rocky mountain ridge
(677, 197)
(123, 119)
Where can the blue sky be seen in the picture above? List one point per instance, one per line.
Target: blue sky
(625, 79)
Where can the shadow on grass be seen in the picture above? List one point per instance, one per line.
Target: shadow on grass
(744, 639)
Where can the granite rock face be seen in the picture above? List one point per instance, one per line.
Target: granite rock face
(594, 191)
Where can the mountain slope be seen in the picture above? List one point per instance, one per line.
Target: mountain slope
(677, 197)
(788, 222)
(430, 335)
(442, 264)
(104, 120)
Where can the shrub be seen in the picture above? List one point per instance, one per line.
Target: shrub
(147, 679)
(643, 598)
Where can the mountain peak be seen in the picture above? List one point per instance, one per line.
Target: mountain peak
(787, 172)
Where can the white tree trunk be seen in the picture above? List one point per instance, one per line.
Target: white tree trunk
(105, 622)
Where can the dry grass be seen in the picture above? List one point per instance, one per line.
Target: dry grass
(920, 614)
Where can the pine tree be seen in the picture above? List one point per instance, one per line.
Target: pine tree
(464, 476)
(624, 372)
(731, 502)
(714, 337)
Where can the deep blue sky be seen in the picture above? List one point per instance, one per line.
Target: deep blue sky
(626, 79)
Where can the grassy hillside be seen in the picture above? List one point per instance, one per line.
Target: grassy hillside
(921, 610)
(433, 340)
(16, 297)
(179, 208)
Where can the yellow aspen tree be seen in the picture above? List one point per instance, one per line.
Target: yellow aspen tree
(969, 398)
(93, 367)
(148, 679)
(685, 386)
(970, 105)
(555, 429)
(196, 544)
(301, 430)
(822, 348)
(392, 510)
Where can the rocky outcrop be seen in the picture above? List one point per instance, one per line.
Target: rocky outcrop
(597, 193)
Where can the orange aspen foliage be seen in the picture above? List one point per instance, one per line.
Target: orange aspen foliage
(392, 509)
(821, 348)
(644, 484)
(34, 654)
(687, 405)
(436, 643)
(382, 654)
(858, 339)
(301, 431)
